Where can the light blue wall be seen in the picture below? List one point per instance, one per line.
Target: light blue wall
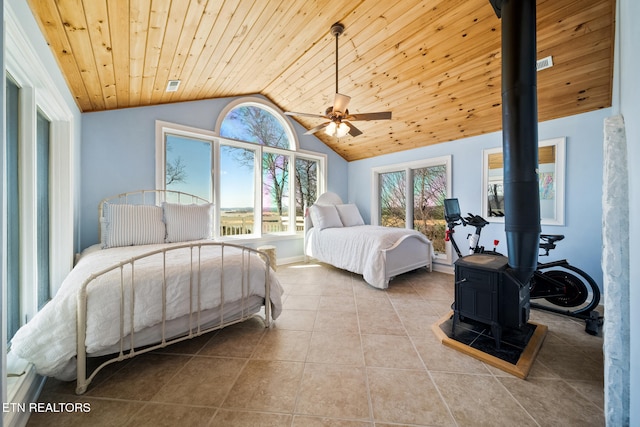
(118, 152)
(583, 185)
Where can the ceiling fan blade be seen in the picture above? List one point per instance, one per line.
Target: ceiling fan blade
(353, 131)
(385, 115)
(317, 128)
(341, 102)
(290, 113)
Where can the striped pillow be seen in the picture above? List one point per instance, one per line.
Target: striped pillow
(188, 222)
(128, 225)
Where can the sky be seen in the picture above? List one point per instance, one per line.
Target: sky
(196, 156)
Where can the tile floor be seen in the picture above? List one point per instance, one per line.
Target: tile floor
(344, 354)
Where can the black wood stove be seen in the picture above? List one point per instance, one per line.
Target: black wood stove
(487, 292)
(495, 291)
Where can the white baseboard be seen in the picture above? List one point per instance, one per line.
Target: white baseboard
(443, 268)
(291, 260)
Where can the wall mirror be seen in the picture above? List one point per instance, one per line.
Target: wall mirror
(551, 162)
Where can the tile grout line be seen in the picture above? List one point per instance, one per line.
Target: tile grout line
(424, 365)
(364, 360)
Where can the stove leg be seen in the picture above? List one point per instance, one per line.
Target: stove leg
(456, 319)
(496, 331)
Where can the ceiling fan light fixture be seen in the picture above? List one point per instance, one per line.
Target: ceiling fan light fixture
(342, 130)
(331, 129)
(337, 129)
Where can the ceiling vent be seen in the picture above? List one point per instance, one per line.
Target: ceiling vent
(172, 86)
(543, 63)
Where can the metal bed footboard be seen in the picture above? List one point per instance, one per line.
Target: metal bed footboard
(127, 342)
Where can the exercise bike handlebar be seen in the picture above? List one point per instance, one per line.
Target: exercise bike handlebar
(476, 220)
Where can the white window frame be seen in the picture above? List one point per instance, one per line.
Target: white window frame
(408, 168)
(294, 153)
(38, 91)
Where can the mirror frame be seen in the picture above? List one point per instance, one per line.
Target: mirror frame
(558, 178)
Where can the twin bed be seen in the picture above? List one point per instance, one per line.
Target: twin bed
(157, 278)
(335, 233)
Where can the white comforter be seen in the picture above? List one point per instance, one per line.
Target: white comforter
(359, 249)
(49, 339)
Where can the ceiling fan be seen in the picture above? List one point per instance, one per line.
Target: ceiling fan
(338, 114)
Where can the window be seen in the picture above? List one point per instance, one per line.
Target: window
(429, 192)
(258, 179)
(393, 199)
(306, 190)
(13, 210)
(42, 209)
(260, 124)
(188, 164)
(28, 211)
(275, 191)
(257, 123)
(237, 190)
(412, 195)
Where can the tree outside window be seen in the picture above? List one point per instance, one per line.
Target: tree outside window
(429, 192)
(393, 199)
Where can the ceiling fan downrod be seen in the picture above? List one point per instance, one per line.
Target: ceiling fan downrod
(336, 30)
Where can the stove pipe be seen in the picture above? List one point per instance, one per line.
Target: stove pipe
(520, 134)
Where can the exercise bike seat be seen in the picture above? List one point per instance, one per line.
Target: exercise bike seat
(549, 242)
(551, 238)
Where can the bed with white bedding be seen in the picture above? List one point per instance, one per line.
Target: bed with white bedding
(125, 298)
(336, 234)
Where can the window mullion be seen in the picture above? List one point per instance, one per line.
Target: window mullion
(409, 199)
(375, 198)
(257, 212)
(292, 193)
(215, 181)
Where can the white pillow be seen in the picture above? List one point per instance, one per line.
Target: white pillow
(188, 222)
(349, 215)
(128, 225)
(324, 216)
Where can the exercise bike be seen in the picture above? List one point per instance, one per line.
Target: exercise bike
(557, 286)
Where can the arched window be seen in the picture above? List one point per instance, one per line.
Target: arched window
(258, 122)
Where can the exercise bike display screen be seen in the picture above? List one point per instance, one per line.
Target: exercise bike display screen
(451, 210)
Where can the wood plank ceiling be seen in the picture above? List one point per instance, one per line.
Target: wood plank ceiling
(434, 63)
